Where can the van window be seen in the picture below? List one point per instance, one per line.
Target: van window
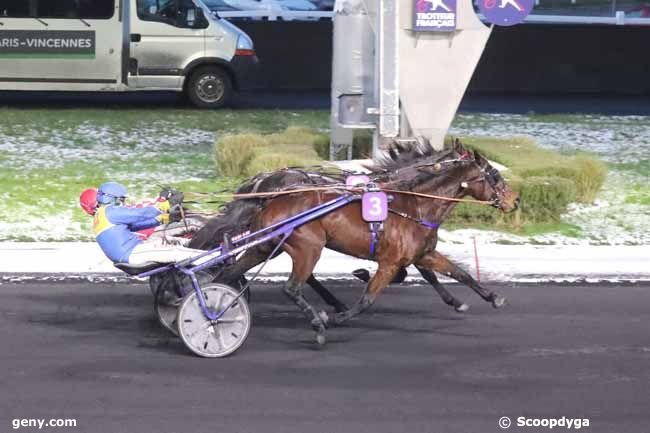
(86, 9)
(14, 8)
(179, 13)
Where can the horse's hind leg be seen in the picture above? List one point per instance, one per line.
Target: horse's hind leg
(382, 278)
(232, 274)
(326, 295)
(447, 297)
(305, 253)
(441, 264)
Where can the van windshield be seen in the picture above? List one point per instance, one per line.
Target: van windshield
(179, 13)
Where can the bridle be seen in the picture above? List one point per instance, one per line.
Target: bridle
(493, 178)
(489, 174)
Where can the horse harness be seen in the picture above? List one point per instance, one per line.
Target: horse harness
(376, 225)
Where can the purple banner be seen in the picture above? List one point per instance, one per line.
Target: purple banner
(434, 15)
(505, 12)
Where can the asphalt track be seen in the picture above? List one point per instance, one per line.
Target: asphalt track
(94, 352)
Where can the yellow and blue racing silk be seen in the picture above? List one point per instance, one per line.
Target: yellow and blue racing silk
(114, 228)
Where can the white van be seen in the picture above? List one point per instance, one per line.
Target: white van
(123, 45)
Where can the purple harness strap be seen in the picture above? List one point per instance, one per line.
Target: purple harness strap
(429, 224)
(373, 241)
(374, 228)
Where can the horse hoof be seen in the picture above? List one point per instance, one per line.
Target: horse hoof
(499, 301)
(362, 274)
(320, 339)
(338, 318)
(340, 308)
(462, 308)
(324, 318)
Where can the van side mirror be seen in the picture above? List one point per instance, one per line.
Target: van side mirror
(190, 17)
(195, 19)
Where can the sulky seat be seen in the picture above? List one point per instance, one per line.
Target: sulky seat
(138, 269)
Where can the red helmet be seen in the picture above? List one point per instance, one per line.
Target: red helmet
(88, 201)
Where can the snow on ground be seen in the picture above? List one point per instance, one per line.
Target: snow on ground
(621, 215)
(503, 263)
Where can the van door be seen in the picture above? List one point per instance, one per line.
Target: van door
(166, 35)
(60, 45)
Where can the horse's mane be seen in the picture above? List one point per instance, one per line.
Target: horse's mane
(402, 154)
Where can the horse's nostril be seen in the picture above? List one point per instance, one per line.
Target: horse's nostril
(517, 201)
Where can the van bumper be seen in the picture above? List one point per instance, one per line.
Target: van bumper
(245, 68)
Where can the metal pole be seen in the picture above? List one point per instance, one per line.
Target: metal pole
(388, 68)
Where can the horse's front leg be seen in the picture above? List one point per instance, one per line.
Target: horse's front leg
(382, 278)
(439, 263)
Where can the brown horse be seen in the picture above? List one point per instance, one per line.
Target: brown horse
(404, 241)
(288, 178)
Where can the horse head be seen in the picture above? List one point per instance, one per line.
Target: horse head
(458, 171)
(487, 183)
(492, 186)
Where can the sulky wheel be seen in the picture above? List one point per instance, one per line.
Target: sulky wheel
(167, 301)
(214, 339)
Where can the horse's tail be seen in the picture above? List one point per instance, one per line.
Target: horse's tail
(238, 217)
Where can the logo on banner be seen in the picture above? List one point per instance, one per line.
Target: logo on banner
(505, 12)
(59, 44)
(435, 15)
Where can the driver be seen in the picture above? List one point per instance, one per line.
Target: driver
(116, 225)
(177, 233)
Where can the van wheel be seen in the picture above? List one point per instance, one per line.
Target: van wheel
(209, 87)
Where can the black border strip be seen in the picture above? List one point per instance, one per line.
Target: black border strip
(160, 71)
(55, 80)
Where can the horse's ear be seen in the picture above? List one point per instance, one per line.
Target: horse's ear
(458, 146)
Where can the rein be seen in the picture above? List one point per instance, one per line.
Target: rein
(339, 187)
(265, 194)
(333, 188)
(438, 197)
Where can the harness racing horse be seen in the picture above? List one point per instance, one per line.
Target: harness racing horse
(283, 179)
(405, 239)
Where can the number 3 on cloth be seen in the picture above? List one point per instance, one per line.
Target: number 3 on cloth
(374, 207)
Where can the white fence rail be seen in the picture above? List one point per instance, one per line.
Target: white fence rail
(274, 14)
(279, 14)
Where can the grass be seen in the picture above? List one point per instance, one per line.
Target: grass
(244, 155)
(638, 194)
(125, 119)
(47, 156)
(527, 160)
(547, 182)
